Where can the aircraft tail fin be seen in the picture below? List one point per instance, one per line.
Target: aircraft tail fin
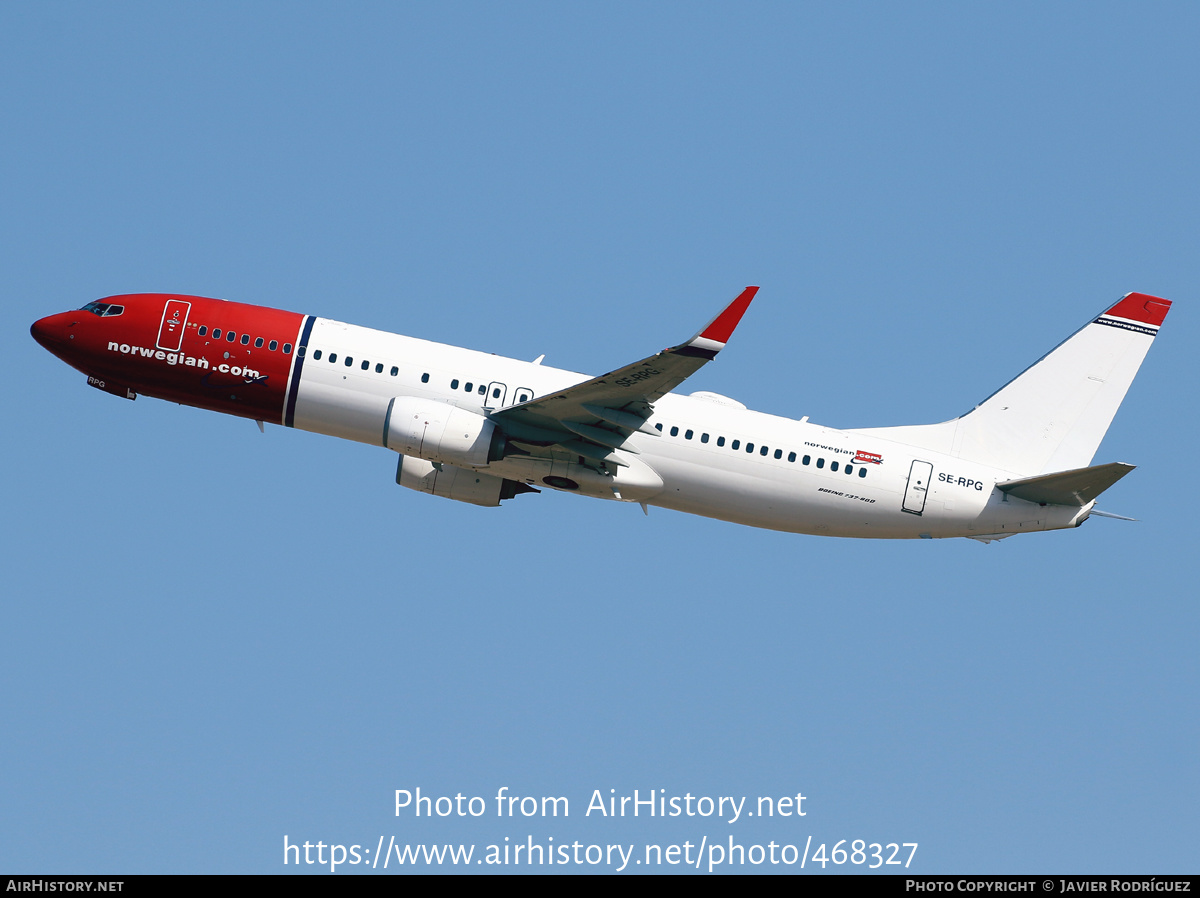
(1053, 415)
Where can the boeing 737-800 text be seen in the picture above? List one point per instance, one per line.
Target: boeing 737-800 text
(481, 428)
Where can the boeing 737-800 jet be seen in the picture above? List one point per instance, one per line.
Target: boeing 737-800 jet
(481, 428)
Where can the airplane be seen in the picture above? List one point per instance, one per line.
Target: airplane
(480, 428)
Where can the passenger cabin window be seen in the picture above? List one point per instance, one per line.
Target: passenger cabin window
(482, 390)
(791, 456)
(349, 360)
(258, 342)
(820, 462)
(688, 435)
(720, 441)
(862, 472)
(287, 349)
(273, 345)
(202, 330)
(833, 466)
(230, 336)
(245, 339)
(332, 357)
(674, 431)
(396, 371)
(216, 333)
(379, 368)
(317, 355)
(367, 365)
(454, 384)
(736, 444)
(703, 438)
(806, 459)
(424, 377)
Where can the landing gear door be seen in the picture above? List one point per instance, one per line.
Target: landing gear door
(174, 320)
(918, 487)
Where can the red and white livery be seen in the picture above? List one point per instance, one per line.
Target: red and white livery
(481, 428)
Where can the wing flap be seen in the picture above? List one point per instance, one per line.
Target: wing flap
(1075, 488)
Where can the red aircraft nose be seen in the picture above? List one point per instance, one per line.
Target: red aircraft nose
(54, 331)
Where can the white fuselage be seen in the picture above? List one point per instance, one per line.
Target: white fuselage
(899, 491)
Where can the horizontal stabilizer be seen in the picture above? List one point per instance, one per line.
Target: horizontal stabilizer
(1078, 487)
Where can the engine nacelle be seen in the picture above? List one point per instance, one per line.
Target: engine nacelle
(436, 431)
(456, 483)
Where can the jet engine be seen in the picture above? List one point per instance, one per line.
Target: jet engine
(459, 484)
(438, 432)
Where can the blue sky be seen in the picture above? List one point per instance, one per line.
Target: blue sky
(214, 638)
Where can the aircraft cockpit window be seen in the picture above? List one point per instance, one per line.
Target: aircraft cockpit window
(103, 309)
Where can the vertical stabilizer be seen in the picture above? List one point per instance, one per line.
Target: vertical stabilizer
(1053, 415)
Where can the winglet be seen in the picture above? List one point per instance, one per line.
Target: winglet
(717, 332)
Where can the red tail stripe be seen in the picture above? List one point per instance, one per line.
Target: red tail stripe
(1141, 307)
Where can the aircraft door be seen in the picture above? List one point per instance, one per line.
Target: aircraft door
(918, 487)
(174, 320)
(495, 395)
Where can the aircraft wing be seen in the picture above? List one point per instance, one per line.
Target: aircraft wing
(595, 417)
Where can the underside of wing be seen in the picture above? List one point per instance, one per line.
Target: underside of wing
(595, 418)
